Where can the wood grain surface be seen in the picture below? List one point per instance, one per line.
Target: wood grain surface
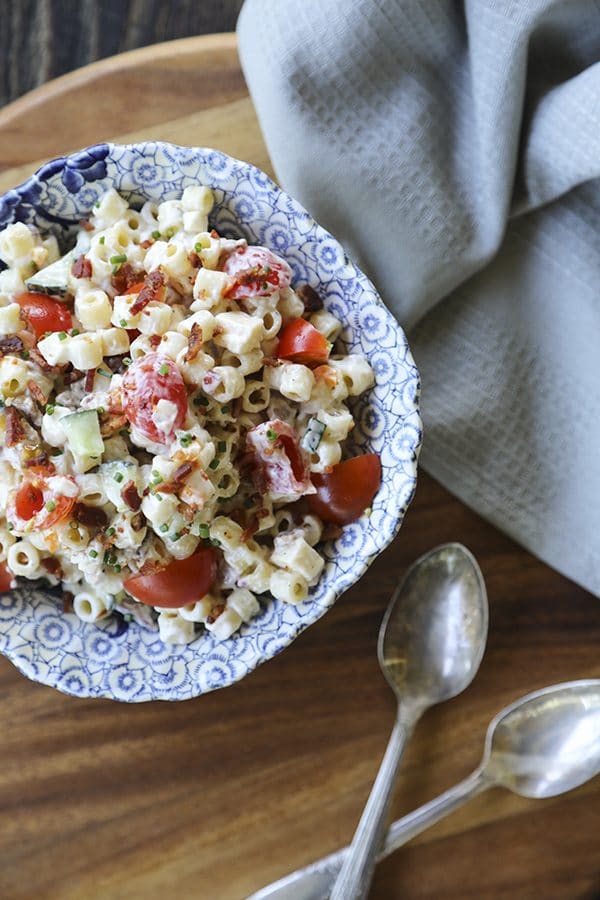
(212, 798)
(42, 39)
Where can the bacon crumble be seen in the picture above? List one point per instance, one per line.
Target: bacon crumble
(82, 267)
(15, 426)
(152, 291)
(131, 497)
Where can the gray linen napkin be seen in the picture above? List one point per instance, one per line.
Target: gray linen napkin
(454, 148)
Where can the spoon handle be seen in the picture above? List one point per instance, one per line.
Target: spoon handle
(314, 882)
(356, 873)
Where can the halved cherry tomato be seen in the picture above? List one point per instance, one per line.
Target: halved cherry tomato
(182, 581)
(5, 579)
(344, 493)
(300, 342)
(149, 379)
(279, 465)
(37, 499)
(257, 272)
(45, 314)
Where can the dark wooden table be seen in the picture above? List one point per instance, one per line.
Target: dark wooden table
(214, 797)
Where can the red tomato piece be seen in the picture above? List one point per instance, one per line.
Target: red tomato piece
(37, 499)
(300, 342)
(344, 493)
(149, 379)
(45, 314)
(29, 499)
(182, 581)
(279, 465)
(257, 272)
(5, 579)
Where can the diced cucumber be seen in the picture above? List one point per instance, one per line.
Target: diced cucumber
(115, 476)
(54, 279)
(83, 433)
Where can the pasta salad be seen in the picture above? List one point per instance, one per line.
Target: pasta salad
(172, 416)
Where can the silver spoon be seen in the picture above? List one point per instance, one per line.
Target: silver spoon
(431, 642)
(542, 745)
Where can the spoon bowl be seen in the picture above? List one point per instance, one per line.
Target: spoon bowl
(547, 742)
(433, 634)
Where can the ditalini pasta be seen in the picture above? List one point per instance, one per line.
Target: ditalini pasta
(172, 419)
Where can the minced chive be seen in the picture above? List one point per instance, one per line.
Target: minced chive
(123, 323)
(25, 354)
(110, 531)
(176, 536)
(198, 247)
(94, 554)
(164, 369)
(214, 464)
(271, 434)
(102, 239)
(96, 204)
(126, 360)
(204, 531)
(164, 527)
(156, 235)
(74, 332)
(118, 477)
(62, 335)
(186, 439)
(118, 259)
(222, 446)
(170, 232)
(117, 568)
(50, 409)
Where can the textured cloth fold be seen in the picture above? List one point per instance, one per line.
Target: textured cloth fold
(454, 149)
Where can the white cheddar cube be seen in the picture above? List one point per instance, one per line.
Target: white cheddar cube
(10, 318)
(238, 332)
(54, 350)
(115, 341)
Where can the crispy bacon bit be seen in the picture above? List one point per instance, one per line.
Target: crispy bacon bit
(153, 290)
(150, 567)
(15, 426)
(195, 260)
(215, 613)
(90, 516)
(87, 226)
(68, 598)
(52, 566)
(147, 243)
(331, 532)
(12, 344)
(137, 521)
(327, 374)
(155, 340)
(111, 422)
(90, 375)
(82, 267)
(124, 278)
(271, 363)
(36, 392)
(194, 343)
(36, 356)
(179, 475)
(131, 497)
(72, 376)
(38, 460)
(311, 300)
(251, 528)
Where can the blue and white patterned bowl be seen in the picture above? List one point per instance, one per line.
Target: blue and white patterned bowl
(59, 650)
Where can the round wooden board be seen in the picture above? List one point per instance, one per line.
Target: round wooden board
(215, 797)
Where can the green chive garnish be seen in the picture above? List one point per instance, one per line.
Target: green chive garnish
(164, 369)
(164, 527)
(156, 235)
(102, 239)
(93, 554)
(118, 259)
(62, 335)
(214, 464)
(119, 477)
(204, 531)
